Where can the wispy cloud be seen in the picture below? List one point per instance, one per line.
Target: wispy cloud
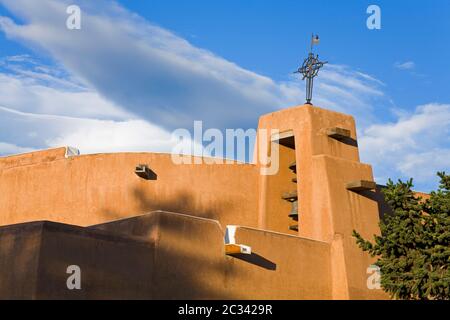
(408, 65)
(159, 76)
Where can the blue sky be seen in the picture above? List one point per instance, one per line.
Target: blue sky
(116, 84)
(270, 37)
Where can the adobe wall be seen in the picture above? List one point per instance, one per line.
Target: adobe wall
(301, 268)
(34, 266)
(309, 125)
(91, 189)
(19, 261)
(280, 267)
(155, 256)
(350, 211)
(112, 266)
(328, 211)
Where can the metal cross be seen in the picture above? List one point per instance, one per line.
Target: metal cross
(310, 69)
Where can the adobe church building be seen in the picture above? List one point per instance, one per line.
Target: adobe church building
(139, 226)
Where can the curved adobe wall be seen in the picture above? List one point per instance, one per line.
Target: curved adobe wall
(91, 189)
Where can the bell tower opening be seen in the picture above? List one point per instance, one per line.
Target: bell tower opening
(282, 198)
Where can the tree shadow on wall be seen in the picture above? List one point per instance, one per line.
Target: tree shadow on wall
(183, 202)
(184, 266)
(188, 276)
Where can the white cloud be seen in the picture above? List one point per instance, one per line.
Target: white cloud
(416, 145)
(424, 165)
(408, 65)
(161, 77)
(8, 148)
(93, 136)
(46, 109)
(88, 135)
(26, 85)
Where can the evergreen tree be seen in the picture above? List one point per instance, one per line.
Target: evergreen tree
(414, 247)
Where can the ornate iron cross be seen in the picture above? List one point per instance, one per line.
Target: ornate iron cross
(310, 69)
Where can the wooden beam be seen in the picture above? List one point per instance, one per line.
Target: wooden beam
(338, 133)
(290, 196)
(144, 172)
(293, 167)
(231, 249)
(282, 135)
(286, 139)
(361, 185)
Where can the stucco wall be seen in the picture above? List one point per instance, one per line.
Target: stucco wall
(90, 189)
(19, 260)
(281, 266)
(156, 256)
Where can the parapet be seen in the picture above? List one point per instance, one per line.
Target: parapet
(37, 157)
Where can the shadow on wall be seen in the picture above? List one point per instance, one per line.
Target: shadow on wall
(189, 261)
(349, 141)
(183, 202)
(112, 269)
(257, 260)
(383, 207)
(18, 258)
(192, 269)
(177, 274)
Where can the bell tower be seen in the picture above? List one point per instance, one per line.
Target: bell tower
(321, 191)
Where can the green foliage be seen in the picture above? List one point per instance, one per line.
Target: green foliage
(414, 248)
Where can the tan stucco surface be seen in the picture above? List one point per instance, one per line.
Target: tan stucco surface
(154, 256)
(90, 189)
